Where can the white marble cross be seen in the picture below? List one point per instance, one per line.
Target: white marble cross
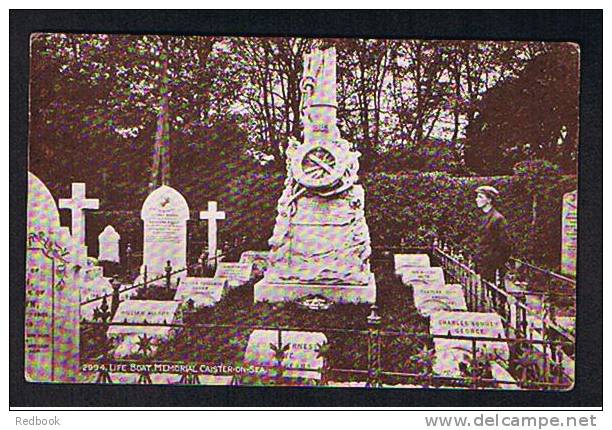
(77, 204)
(212, 215)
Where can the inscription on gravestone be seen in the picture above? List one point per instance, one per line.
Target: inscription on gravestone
(202, 291)
(422, 276)
(165, 213)
(451, 352)
(428, 299)
(146, 312)
(236, 273)
(410, 260)
(301, 359)
(569, 233)
(39, 323)
(51, 334)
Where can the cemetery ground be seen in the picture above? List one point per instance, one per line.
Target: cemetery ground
(219, 335)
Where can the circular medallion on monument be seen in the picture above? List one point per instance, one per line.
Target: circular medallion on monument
(317, 165)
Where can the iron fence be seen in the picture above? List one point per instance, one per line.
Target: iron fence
(532, 364)
(536, 360)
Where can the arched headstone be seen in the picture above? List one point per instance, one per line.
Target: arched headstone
(108, 245)
(52, 293)
(165, 213)
(43, 215)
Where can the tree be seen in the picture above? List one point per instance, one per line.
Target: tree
(269, 71)
(96, 100)
(536, 176)
(534, 116)
(362, 69)
(417, 90)
(474, 67)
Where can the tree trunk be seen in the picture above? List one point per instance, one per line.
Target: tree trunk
(160, 173)
(534, 209)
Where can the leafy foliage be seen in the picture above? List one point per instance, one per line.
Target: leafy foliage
(532, 116)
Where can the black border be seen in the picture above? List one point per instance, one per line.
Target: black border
(582, 27)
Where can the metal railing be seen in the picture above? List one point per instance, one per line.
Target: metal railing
(530, 363)
(485, 296)
(534, 362)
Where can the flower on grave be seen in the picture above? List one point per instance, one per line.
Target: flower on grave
(145, 345)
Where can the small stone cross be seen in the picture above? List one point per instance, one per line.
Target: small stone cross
(212, 215)
(77, 204)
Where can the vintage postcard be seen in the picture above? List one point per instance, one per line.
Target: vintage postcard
(305, 212)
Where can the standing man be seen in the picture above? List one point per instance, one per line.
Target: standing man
(494, 246)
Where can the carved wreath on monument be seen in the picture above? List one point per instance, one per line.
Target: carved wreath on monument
(321, 236)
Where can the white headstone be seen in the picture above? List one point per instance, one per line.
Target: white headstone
(259, 260)
(164, 213)
(77, 205)
(410, 260)
(301, 360)
(142, 311)
(569, 233)
(51, 335)
(212, 215)
(108, 244)
(429, 299)
(237, 274)
(450, 352)
(203, 291)
(422, 276)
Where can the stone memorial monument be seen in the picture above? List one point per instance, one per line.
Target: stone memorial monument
(165, 213)
(429, 299)
(321, 242)
(259, 260)
(237, 274)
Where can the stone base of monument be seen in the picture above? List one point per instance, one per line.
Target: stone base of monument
(275, 292)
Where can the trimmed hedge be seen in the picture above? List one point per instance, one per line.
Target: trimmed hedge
(400, 208)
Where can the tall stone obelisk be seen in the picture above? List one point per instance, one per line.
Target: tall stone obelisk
(321, 242)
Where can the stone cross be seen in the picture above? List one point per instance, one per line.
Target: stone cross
(212, 215)
(77, 204)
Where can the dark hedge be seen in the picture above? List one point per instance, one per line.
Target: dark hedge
(403, 209)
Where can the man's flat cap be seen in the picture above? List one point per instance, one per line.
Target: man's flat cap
(488, 190)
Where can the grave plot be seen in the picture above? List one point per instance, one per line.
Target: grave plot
(402, 261)
(432, 298)
(288, 355)
(423, 305)
(236, 316)
(141, 338)
(454, 358)
(201, 292)
(236, 274)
